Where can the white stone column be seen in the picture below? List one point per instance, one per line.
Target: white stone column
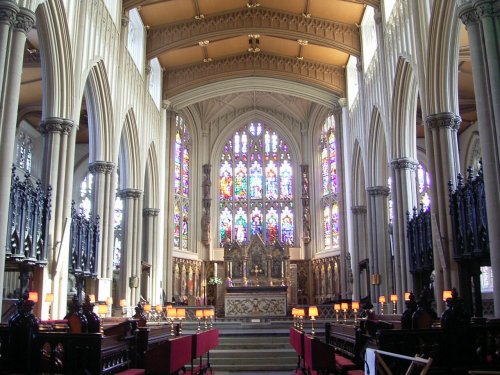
(482, 20)
(380, 262)
(11, 66)
(102, 172)
(150, 225)
(8, 12)
(359, 244)
(130, 269)
(404, 198)
(443, 130)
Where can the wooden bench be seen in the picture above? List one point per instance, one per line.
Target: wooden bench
(297, 343)
(203, 342)
(348, 341)
(170, 356)
(320, 358)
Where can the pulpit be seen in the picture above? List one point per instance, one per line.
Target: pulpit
(256, 279)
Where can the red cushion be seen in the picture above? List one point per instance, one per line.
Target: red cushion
(343, 364)
(355, 372)
(132, 371)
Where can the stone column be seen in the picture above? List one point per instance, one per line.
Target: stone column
(8, 13)
(101, 202)
(404, 198)
(443, 137)
(359, 244)
(380, 262)
(154, 256)
(482, 19)
(130, 268)
(15, 25)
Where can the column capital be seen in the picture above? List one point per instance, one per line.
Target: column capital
(100, 166)
(404, 163)
(8, 12)
(443, 120)
(66, 126)
(488, 8)
(125, 21)
(468, 14)
(356, 210)
(51, 125)
(25, 20)
(343, 102)
(129, 193)
(150, 211)
(378, 190)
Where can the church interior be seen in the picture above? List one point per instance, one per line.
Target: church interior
(251, 157)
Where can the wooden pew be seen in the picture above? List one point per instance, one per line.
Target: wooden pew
(148, 337)
(348, 341)
(203, 342)
(297, 343)
(169, 356)
(320, 358)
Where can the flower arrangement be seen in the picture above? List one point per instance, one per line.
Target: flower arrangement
(214, 280)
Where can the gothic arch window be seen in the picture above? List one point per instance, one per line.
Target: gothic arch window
(86, 195)
(369, 37)
(475, 156)
(329, 195)
(23, 151)
(155, 80)
(423, 186)
(388, 7)
(256, 187)
(117, 226)
(181, 184)
(352, 80)
(136, 39)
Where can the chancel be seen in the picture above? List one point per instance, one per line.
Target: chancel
(242, 159)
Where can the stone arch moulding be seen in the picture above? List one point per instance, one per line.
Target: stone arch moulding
(151, 179)
(57, 67)
(358, 177)
(100, 114)
(377, 148)
(404, 109)
(129, 154)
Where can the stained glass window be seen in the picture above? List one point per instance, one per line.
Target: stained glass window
(181, 185)
(329, 199)
(117, 226)
(23, 151)
(86, 195)
(423, 186)
(256, 187)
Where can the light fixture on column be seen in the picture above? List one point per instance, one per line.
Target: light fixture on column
(337, 309)
(294, 315)
(313, 313)
(171, 314)
(206, 315)
(447, 294)
(123, 305)
(102, 310)
(199, 316)
(381, 300)
(159, 310)
(344, 306)
(49, 298)
(180, 314)
(394, 300)
(407, 296)
(301, 314)
(33, 297)
(355, 309)
(147, 309)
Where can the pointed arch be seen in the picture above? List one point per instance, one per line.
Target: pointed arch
(151, 179)
(444, 41)
(404, 109)
(129, 156)
(358, 177)
(56, 59)
(377, 149)
(100, 114)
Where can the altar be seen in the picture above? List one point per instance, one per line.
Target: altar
(256, 301)
(256, 278)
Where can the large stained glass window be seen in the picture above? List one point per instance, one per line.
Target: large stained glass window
(181, 185)
(256, 187)
(329, 199)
